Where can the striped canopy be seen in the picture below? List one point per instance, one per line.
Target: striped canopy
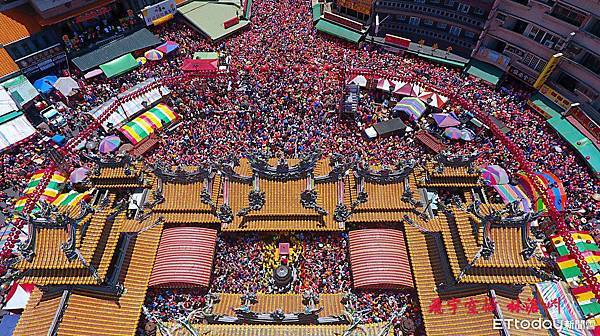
(570, 270)
(149, 122)
(511, 193)
(414, 107)
(72, 198)
(53, 188)
(559, 308)
(584, 297)
(583, 240)
(550, 182)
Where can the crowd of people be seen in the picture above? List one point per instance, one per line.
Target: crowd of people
(279, 97)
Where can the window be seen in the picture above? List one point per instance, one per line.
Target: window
(464, 8)
(420, 1)
(455, 30)
(450, 3)
(568, 15)
(478, 11)
(469, 34)
(533, 62)
(500, 16)
(442, 25)
(594, 27)
(414, 21)
(591, 62)
(567, 82)
(545, 38)
(428, 22)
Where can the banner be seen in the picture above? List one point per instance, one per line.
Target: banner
(555, 97)
(548, 69)
(158, 11)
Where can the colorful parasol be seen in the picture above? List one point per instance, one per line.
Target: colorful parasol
(413, 107)
(141, 60)
(384, 84)
(445, 119)
(167, 47)
(453, 133)
(467, 134)
(551, 183)
(433, 99)
(494, 175)
(153, 55)
(109, 144)
(78, 175)
(512, 194)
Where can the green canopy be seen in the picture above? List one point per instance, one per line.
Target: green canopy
(206, 55)
(546, 105)
(339, 31)
(119, 66)
(317, 10)
(485, 71)
(584, 146)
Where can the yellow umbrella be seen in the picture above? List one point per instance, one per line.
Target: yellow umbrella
(141, 60)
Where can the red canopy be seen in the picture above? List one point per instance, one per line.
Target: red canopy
(184, 257)
(201, 66)
(379, 259)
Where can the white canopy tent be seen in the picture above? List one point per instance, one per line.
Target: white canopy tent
(15, 130)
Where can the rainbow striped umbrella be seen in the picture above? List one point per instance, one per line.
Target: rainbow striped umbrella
(413, 107)
(494, 175)
(453, 133)
(109, 144)
(72, 198)
(153, 55)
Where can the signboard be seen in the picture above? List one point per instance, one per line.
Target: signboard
(94, 13)
(521, 75)
(555, 97)
(548, 69)
(42, 60)
(494, 57)
(397, 41)
(159, 10)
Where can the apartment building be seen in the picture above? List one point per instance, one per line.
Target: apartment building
(553, 46)
(445, 23)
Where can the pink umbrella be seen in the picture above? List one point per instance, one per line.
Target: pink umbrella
(433, 99)
(384, 84)
(109, 144)
(78, 175)
(405, 89)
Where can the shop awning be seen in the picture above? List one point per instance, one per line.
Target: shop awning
(317, 10)
(141, 39)
(560, 308)
(20, 89)
(485, 71)
(119, 66)
(584, 146)
(545, 106)
(53, 188)
(14, 128)
(327, 27)
(209, 17)
(379, 259)
(149, 122)
(184, 257)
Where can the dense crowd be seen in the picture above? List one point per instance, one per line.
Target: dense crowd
(245, 263)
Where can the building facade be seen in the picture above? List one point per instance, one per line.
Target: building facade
(552, 46)
(444, 23)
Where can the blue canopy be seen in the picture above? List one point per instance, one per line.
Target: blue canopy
(44, 84)
(8, 324)
(58, 139)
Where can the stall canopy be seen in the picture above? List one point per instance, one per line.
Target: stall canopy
(20, 89)
(433, 99)
(66, 86)
(72, 198)
(141, 39)
(586, 300)
(582, 145)
(344, 33)
(494, 175)
(53, 188)
(485, 71)
(411, 106)
(167, 47)
(14, 128)
(149, 122)
(379, 259)
(583, 240)
(184, 257)
(7, 104)
(445, 119)
(119, 66)
(45, 84)
(559, 308)
(386, 128)
(510, 193)
(571, 272)
(206, 55)
(550, 182)
(202, 66)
